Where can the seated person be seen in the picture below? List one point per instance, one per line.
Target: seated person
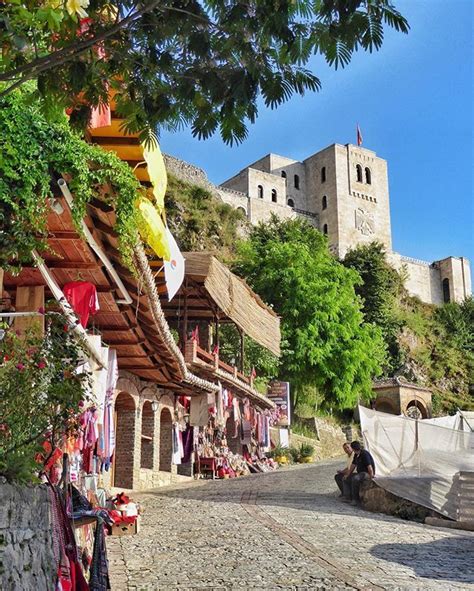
(362, 468)
(341, 473)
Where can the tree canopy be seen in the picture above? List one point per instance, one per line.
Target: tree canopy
(326, 344)
(176, 62)
(380, 291)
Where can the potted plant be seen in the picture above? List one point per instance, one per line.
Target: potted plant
(306, 452)
(280, 454)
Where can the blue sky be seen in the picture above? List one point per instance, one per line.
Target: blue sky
(414, 103)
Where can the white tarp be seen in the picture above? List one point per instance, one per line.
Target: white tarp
(461, 420)
(418, 460)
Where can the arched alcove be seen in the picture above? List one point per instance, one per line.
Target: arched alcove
(166, 440)
(147, 436)
(124, 440)
(416, 410)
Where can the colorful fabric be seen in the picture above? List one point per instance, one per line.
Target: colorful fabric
(157, 173)
(152, 229)
(82, 296)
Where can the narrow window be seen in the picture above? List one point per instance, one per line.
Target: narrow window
(368, 176)
(325, 202)
(260, 191)
(291, 203)
(283, 174)
(325, 229)
(359, 173)
(446, 293)
(323, 174)
(297, 181)
(274, 196)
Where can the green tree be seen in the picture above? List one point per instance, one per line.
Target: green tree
(170, 62)
(326, 345)
(380, 290)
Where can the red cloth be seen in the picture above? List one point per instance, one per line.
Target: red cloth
(82, 296)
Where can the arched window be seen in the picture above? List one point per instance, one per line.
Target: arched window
(283, 174)
(323, 174)
(325, 202)
(242, 211)
(325, 229)
(359, 173)
(274, 196)
(368, 176)
(297, 181)
(260, 191)
(446, 291)
(291, 203)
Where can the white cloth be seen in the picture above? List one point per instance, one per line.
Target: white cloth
(174, 268)
(418, 460)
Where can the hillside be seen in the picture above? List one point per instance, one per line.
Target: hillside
(427, 345)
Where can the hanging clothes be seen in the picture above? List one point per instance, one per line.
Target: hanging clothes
(82, 296)
(199, 414)
(99, 579)
(220, 421)
(188, 441)
(177, 445)
(246, 432)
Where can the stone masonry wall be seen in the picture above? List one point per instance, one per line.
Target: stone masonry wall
(26, 544)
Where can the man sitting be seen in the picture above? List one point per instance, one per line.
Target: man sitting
(364, 466)
(341, 473)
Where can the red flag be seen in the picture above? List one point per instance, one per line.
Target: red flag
(215, 351)
(359, 136)
(195, 335)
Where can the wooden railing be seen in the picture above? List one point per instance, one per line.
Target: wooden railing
(194, 352)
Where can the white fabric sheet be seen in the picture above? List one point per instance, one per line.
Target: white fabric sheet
(418, 460)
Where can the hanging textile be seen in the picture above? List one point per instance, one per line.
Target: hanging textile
(152, 228)
(99, 579)
(188, 441)
(82, 297)
(199, 414)
(177, 445)
(157, 173)
(220, 421)
(246, 432)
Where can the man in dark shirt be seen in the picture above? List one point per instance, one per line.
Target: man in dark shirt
(363, 468)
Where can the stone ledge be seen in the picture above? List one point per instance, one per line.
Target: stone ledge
(376, 499)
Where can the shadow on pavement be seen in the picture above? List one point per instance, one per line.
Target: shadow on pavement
(448, 559)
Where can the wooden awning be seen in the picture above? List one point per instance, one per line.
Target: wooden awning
(139, 331)
(214, 292)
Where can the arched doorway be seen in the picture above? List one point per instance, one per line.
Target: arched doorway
(148, 424)
(124, 440)
(166, 442)
(416, 410)
(233, 442)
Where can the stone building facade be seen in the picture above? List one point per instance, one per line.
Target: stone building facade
(344, 192)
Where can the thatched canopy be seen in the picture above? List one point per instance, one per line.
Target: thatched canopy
(214, 292)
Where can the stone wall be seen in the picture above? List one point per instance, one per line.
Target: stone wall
(26, 545)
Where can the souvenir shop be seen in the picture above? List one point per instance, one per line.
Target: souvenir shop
(222, 435)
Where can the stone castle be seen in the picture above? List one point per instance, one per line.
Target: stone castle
(343, 191)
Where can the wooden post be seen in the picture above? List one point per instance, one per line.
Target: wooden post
(29, 299)
(184, 333)
(216, 328)
(242, 350)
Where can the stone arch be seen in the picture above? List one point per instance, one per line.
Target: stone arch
(260, 191)
(359, 174)
(291, 203)
(274, 195)
(386, 405)
(283, 174)
(416, 410)
(166, 439)
(147, 436)
(125, 418)
(233, 443)
(368, 176)
(242, 210)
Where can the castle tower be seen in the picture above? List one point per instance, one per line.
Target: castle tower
(347, 186)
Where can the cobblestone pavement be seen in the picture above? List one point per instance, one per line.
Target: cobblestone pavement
(283, 530)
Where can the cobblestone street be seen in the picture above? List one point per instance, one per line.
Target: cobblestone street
(284, 530)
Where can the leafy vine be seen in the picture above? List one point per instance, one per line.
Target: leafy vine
(35, 151)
